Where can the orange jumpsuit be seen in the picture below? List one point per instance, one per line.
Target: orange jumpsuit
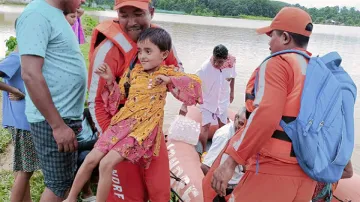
(272, 172)
(111, 45)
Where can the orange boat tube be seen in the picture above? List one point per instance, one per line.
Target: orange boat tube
(186, 175)
(348, 190)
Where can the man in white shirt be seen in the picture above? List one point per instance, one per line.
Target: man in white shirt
(218, 78)
(219, 141)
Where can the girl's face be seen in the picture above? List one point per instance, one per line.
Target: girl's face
(150, 55)
(71, 18)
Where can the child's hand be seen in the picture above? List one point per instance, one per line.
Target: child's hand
(105, 72)
(16, 97)
(162, 79)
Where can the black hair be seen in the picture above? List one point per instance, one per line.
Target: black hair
(300, 40)
(157, 36)
(220, 51)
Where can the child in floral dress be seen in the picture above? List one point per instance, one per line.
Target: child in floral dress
(135, 131)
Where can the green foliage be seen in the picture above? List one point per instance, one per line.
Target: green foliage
(5, 139)
(85, 51)
(11, 44)
(7, 179)
(265, 9)
(89, 23)
(87, 8)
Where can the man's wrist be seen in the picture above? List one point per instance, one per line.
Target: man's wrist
(230, 162)
(57, 124)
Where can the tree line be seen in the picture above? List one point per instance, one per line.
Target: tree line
(261, 8)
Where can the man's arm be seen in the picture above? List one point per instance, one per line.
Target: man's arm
(232, 81)
(270, 100)
(205, 169)
(11, 89)
(8, 68)
(348, 171)
(232, 84)
(38, 90)
(32, 28)
(40, 95)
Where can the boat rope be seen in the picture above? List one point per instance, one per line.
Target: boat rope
(340, 199)
(173, 176)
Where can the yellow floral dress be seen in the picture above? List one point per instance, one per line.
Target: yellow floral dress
(135, 131)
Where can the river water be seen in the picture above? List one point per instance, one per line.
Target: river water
(195, 37)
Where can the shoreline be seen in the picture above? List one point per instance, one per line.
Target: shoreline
(10, 13)
(221, 21)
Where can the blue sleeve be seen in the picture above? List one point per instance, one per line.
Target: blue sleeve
(33, 33)
(10, 65)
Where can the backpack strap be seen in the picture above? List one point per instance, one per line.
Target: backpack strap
(332, 57)
(288, 51)
(127, 84)
(280, 53)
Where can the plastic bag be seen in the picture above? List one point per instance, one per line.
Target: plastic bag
(185, 130)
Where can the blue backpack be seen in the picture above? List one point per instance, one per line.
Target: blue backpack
(323, 133)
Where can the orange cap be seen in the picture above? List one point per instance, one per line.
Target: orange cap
(289, 19)
(142, 4)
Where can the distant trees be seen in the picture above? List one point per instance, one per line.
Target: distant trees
(241, 8)
(264, 8)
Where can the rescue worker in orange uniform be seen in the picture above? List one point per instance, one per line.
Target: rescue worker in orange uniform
(272, 171)
(114, 42)
(209, 193)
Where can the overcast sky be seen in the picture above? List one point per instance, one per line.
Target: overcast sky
(324, 3)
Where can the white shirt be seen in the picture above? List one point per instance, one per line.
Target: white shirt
(215, 87)
(219, 141)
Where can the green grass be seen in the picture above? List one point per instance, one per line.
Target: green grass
(86, 8)
(85, 51)
(251, 17)
(5, 139)
(247, 17)
(36, 185)
(7, 177)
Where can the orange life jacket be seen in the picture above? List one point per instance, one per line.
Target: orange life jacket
(111, 32)
(279, 146)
